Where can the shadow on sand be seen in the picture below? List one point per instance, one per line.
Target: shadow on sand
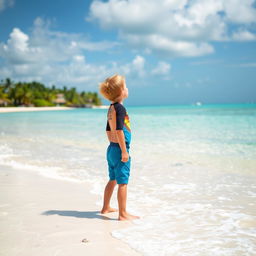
(77, 214)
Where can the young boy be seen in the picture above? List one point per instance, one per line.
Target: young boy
(119, 135)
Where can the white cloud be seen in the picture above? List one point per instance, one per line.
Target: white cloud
(163, 45)
(79, 58)
(44, 45)
(162, 68)
(18, 40)
(17, 49)
(243, 35)
(134, 69)
(172, 27)
(52, 57)
(138, 64)
(4, 4)
(240, 11)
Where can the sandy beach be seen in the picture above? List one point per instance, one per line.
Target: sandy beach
(27, 109)
(46, 216)
(198, 165)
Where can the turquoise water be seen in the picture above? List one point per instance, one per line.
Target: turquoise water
(192, 178)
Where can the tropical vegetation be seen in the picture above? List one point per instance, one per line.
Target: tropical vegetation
(37, 94)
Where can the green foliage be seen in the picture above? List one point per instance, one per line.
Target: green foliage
(37, 94)
(42, 103)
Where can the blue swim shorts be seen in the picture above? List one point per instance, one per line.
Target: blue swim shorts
(118, 170)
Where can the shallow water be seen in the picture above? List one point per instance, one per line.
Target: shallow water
(192, 178)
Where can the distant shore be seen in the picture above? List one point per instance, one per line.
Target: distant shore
(27, 109)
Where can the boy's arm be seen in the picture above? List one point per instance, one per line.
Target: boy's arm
(121, 141)
(108, 135)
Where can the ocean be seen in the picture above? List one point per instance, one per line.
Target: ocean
(193, 171)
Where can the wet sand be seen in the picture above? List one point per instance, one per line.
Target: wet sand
(45, 216)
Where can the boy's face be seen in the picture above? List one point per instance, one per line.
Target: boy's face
(125, 91)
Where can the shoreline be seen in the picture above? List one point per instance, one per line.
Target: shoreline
(28, 109)
(46, 216)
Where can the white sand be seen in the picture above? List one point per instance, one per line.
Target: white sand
(44, 216)
(101, 107)
(27, 109)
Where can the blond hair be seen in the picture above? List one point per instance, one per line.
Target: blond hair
(112, 87)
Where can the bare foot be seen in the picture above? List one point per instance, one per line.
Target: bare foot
(107, 210)
(128, 216)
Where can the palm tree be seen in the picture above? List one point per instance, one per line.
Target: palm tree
(4, 96)
(27, 96)
(7, 85)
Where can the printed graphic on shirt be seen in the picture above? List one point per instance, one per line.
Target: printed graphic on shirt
(127, 122)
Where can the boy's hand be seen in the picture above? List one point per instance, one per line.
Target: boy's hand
(125, 156)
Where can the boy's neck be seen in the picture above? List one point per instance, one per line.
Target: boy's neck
(119, 101)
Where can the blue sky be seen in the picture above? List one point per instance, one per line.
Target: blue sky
(170, 51)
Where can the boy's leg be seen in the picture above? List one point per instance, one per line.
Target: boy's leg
(107, 196)
(122, 197)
